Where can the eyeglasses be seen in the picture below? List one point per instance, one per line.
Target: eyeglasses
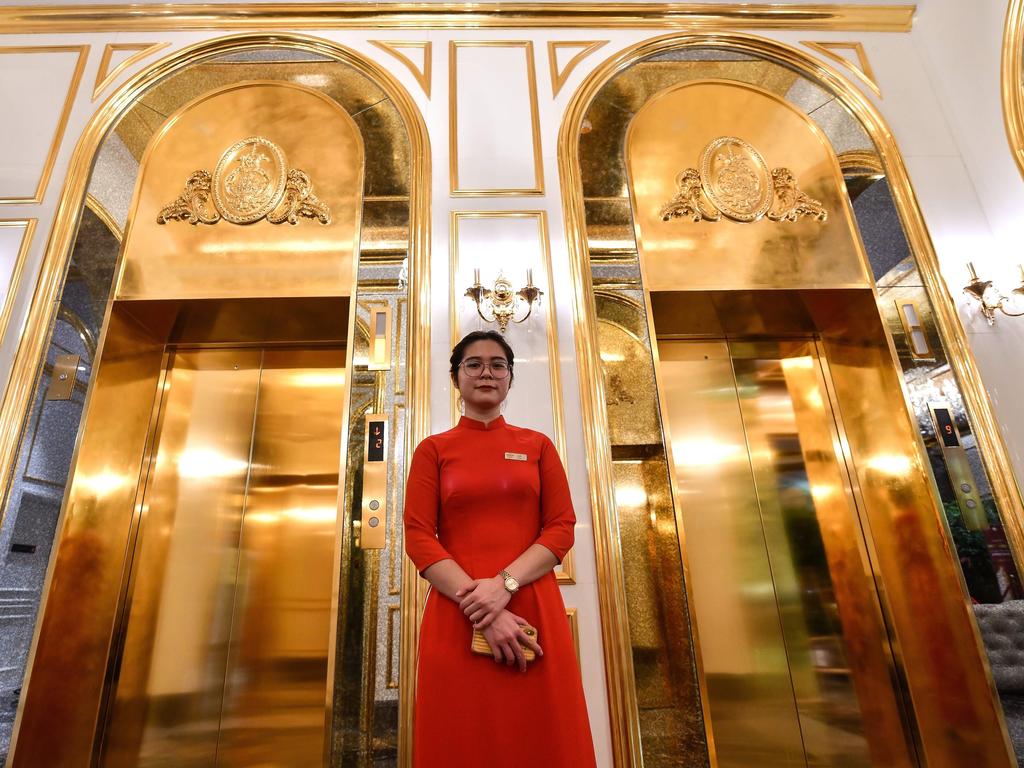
(475, 368)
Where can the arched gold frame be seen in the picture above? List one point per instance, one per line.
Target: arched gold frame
(1012, 80)
(622, 701)
(21, 385)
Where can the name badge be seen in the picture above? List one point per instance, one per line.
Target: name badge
(515, 456)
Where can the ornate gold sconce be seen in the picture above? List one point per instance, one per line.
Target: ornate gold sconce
(501, 302)
(990, 298)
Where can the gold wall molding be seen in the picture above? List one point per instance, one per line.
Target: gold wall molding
(453, 126)
(862, 69)
(22, 19)
(567, 573)
(18, 395)
(28, 227)
(611, 589)
(394, 47)
(105, 216)
(62, 120)
(585, 48)
(105, 75)
(1012, 80)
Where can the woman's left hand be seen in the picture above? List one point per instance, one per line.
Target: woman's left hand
(483, 600)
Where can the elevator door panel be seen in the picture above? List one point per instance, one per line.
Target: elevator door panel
(794, 651)
(224, 658)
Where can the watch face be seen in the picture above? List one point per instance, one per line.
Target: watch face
(511, 584)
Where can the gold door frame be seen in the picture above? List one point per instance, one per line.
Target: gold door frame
(32, 347)
(622, 700)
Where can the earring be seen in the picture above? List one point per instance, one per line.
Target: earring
(461, 405)
(503, 404)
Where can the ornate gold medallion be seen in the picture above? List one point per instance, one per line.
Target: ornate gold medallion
(250, 179)
(735, 178)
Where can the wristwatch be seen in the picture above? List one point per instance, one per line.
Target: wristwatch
(511, 584)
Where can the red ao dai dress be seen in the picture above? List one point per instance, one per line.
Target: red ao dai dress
(471, 498)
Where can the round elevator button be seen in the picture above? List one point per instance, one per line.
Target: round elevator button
(374, 505)
(374, 522)
(965, 487)
(971, 503)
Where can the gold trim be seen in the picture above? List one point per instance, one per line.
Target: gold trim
(393, 47)
(105, 77)
(567, 573)
(22, 19)
(62, 122)
(863, 71)
(558, 78)
(908, 329)
(453, 125)
(1012, 80)
(17, 397)
(861, 159)
(574, 630)
(611, 591)
(105, 216)
(29, 228)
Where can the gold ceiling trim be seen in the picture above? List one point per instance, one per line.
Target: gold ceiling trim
(28, 229)
(453, 121)
(105, 75)
(394, 47)
(622, 702)
(62, 121)
(23, 19)
(18, 396)
(861, 159)
(862, 70)
(558, 78)
(1012, 80)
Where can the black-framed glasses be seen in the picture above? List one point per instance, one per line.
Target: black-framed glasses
(475, 368)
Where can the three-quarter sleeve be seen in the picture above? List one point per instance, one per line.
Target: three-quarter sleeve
(558, 520)
(422, 504)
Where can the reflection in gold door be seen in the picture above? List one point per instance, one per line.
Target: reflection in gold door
(796, 657)
(227, 626)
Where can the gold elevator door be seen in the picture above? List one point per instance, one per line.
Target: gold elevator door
(223, 648)
(796, 658)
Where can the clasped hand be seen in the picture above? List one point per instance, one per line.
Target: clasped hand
(506, 637)
(483, 600)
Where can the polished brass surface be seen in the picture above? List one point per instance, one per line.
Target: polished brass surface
(255, 260)
(381, 330)
(574, 170)
(373, 521)
(73, 18)
(455, 189)
(1012, 80)
(65, 374)
(62, 119)
(689, 252)
(105, 75)
(225, 646)
(861, 69)
(409, 164)
(961, 477)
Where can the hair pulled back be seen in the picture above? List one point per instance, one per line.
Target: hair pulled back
(459, 351)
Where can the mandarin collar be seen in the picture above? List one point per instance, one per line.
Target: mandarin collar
(469, 423)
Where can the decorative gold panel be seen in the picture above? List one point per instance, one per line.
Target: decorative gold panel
(559, 75)
(710, 119)
(172, 259)
(1012, 80)
(28, 228)
(861, 69)
(105, 75)
(422, 74)
(62, 120)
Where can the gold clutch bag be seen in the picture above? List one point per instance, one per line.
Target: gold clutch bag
(481, 646)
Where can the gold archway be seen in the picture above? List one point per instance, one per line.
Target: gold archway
(21, 385)
(625, 732)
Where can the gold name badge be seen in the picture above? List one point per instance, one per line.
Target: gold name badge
(515, 456)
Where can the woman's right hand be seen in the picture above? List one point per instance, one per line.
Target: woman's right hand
(504, 635)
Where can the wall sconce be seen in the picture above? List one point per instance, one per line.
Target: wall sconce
(500, 301)
(991, 298)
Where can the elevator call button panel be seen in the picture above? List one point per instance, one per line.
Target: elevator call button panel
(961, 477)
(373, 514)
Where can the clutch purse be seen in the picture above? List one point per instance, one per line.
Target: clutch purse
(481, 646)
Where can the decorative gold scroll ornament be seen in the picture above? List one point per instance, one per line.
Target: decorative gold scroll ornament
(734, 180)
(252, 181)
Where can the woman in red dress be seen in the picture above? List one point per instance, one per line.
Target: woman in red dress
(487, 517)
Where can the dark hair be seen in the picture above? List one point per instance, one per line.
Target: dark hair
(459, 351)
